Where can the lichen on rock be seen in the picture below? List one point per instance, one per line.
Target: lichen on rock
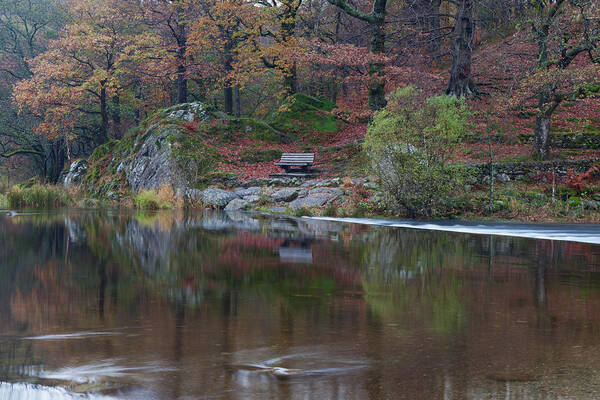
(76, 173)
(161, 152)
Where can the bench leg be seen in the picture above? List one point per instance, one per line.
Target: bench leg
(286, 168)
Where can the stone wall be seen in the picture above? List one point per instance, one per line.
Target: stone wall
(579, 140)
(527, 170)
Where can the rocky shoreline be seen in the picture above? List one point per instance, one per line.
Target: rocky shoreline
(280, 195)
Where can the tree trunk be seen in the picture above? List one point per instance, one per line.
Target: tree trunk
(377, 46)
(103, 137)
(228, 89)
(237, 102)
(116, 117)
(182, 84)
(542, 137)
(376, 21)
(461, 81)
(228, 94)
(57, 161)
(434, 41)
(333, 89)
(138, 112)
(290, 81)
(288, 30)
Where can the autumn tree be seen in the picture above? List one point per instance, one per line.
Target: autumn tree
(221, 45)
(171, 19)
(447, 28)
(425, 17)
(564, 32)
(461, 83)
(79, 78)
(376, 21)
(279, 25)
(25, 29)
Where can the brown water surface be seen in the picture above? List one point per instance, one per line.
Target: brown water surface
(173, 305)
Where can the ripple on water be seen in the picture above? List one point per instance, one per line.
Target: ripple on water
(101, 371)
(20, 391)
(299, 363)
(76, 335)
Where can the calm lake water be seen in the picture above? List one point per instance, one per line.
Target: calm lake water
(236, 306)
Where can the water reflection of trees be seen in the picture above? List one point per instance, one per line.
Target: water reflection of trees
(178, 256)
(186, 257)
(495, 305)
(472, 304)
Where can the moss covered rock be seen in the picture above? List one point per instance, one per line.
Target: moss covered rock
(180, 146)
(165, 153)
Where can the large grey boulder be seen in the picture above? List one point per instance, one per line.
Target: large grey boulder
(371, 185)
(217, 198)
(236, 204)
(252, 198)
(308, 201)
(76, 173)
(154, 165)
(155, 158)
(251, 191)
(189, 112)
(329, 192)
(287, 194)
(189, 194)
(317, 197)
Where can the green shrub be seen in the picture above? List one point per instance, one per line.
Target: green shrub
(409, 146)
(37, 196)
(89, 203)
(146, 200)
(151, 200)
(4, 184)
(331, 210)
(3, 201)
(302, 212)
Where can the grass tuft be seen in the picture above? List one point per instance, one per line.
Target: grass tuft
(331, 210)
(37, 196)
(163, 198)
(302, 212)
(4, 184)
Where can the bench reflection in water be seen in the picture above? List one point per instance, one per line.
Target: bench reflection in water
(296, 252)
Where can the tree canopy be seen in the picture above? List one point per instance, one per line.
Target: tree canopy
(77, 73)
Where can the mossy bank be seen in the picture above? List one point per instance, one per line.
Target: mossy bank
(182, 146)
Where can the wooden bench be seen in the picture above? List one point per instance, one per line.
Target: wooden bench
(301, 160)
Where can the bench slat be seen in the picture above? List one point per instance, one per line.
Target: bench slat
(298, 164)
(296, 159)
